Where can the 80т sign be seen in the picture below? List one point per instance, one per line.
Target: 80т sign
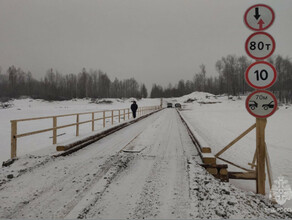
(260, 45)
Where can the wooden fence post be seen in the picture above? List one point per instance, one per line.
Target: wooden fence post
(92, 123)
(13, 139)
(77, 125)
(124, 114)
(261, 155)
(54, 130)
(112, 117)
(119, 115)
(128, 113)
(103, 118)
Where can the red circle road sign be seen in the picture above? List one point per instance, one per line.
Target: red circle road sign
(260, 45)
(261, 104)
(259, 17)
(261, 75)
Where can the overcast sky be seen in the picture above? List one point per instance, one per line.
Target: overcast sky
(155, 41)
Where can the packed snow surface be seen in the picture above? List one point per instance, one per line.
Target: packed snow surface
(162, 181)
(149, 169)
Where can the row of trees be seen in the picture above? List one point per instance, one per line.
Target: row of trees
(96, 84)
(55, 86)
(230, 79)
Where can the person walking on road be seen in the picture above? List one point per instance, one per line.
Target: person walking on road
(134, 108)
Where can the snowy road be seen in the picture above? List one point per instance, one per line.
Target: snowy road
(154, 182)
(162, 181)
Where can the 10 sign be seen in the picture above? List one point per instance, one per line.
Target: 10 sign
(261, 75)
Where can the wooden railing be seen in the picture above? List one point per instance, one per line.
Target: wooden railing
(95, 116)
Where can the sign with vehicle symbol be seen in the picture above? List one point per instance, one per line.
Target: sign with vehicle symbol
(260, 45)
(261, 104)
(261, 75)
(259, 17)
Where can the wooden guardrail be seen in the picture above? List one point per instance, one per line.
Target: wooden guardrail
(95, 116)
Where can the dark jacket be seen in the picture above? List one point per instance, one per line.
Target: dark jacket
(134, 107)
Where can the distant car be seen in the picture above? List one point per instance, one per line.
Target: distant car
(267, 106)
(169, 105)
(177, 105)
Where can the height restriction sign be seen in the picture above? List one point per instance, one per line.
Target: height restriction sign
(259, 17)
(261, 104)
(260, 45)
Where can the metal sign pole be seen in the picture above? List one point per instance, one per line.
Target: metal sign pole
(261, 155)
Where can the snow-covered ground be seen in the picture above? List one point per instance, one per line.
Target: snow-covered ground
(147, 170)
(160, 179)
(219, 120)
(29, 108)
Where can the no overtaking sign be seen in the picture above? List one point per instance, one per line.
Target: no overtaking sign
(261, 104)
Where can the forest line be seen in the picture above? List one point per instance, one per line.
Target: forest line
(15, 83)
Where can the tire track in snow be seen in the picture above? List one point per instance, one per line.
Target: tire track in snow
(156, 182)
(136, 172)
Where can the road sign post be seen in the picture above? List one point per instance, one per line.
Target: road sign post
(261, 155)
(260, 75)
(261, 104)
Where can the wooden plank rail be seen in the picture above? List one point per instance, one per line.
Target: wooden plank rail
(72, 147)
(233, 164)
(100, 115)
(242, 175)
(235, 140)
